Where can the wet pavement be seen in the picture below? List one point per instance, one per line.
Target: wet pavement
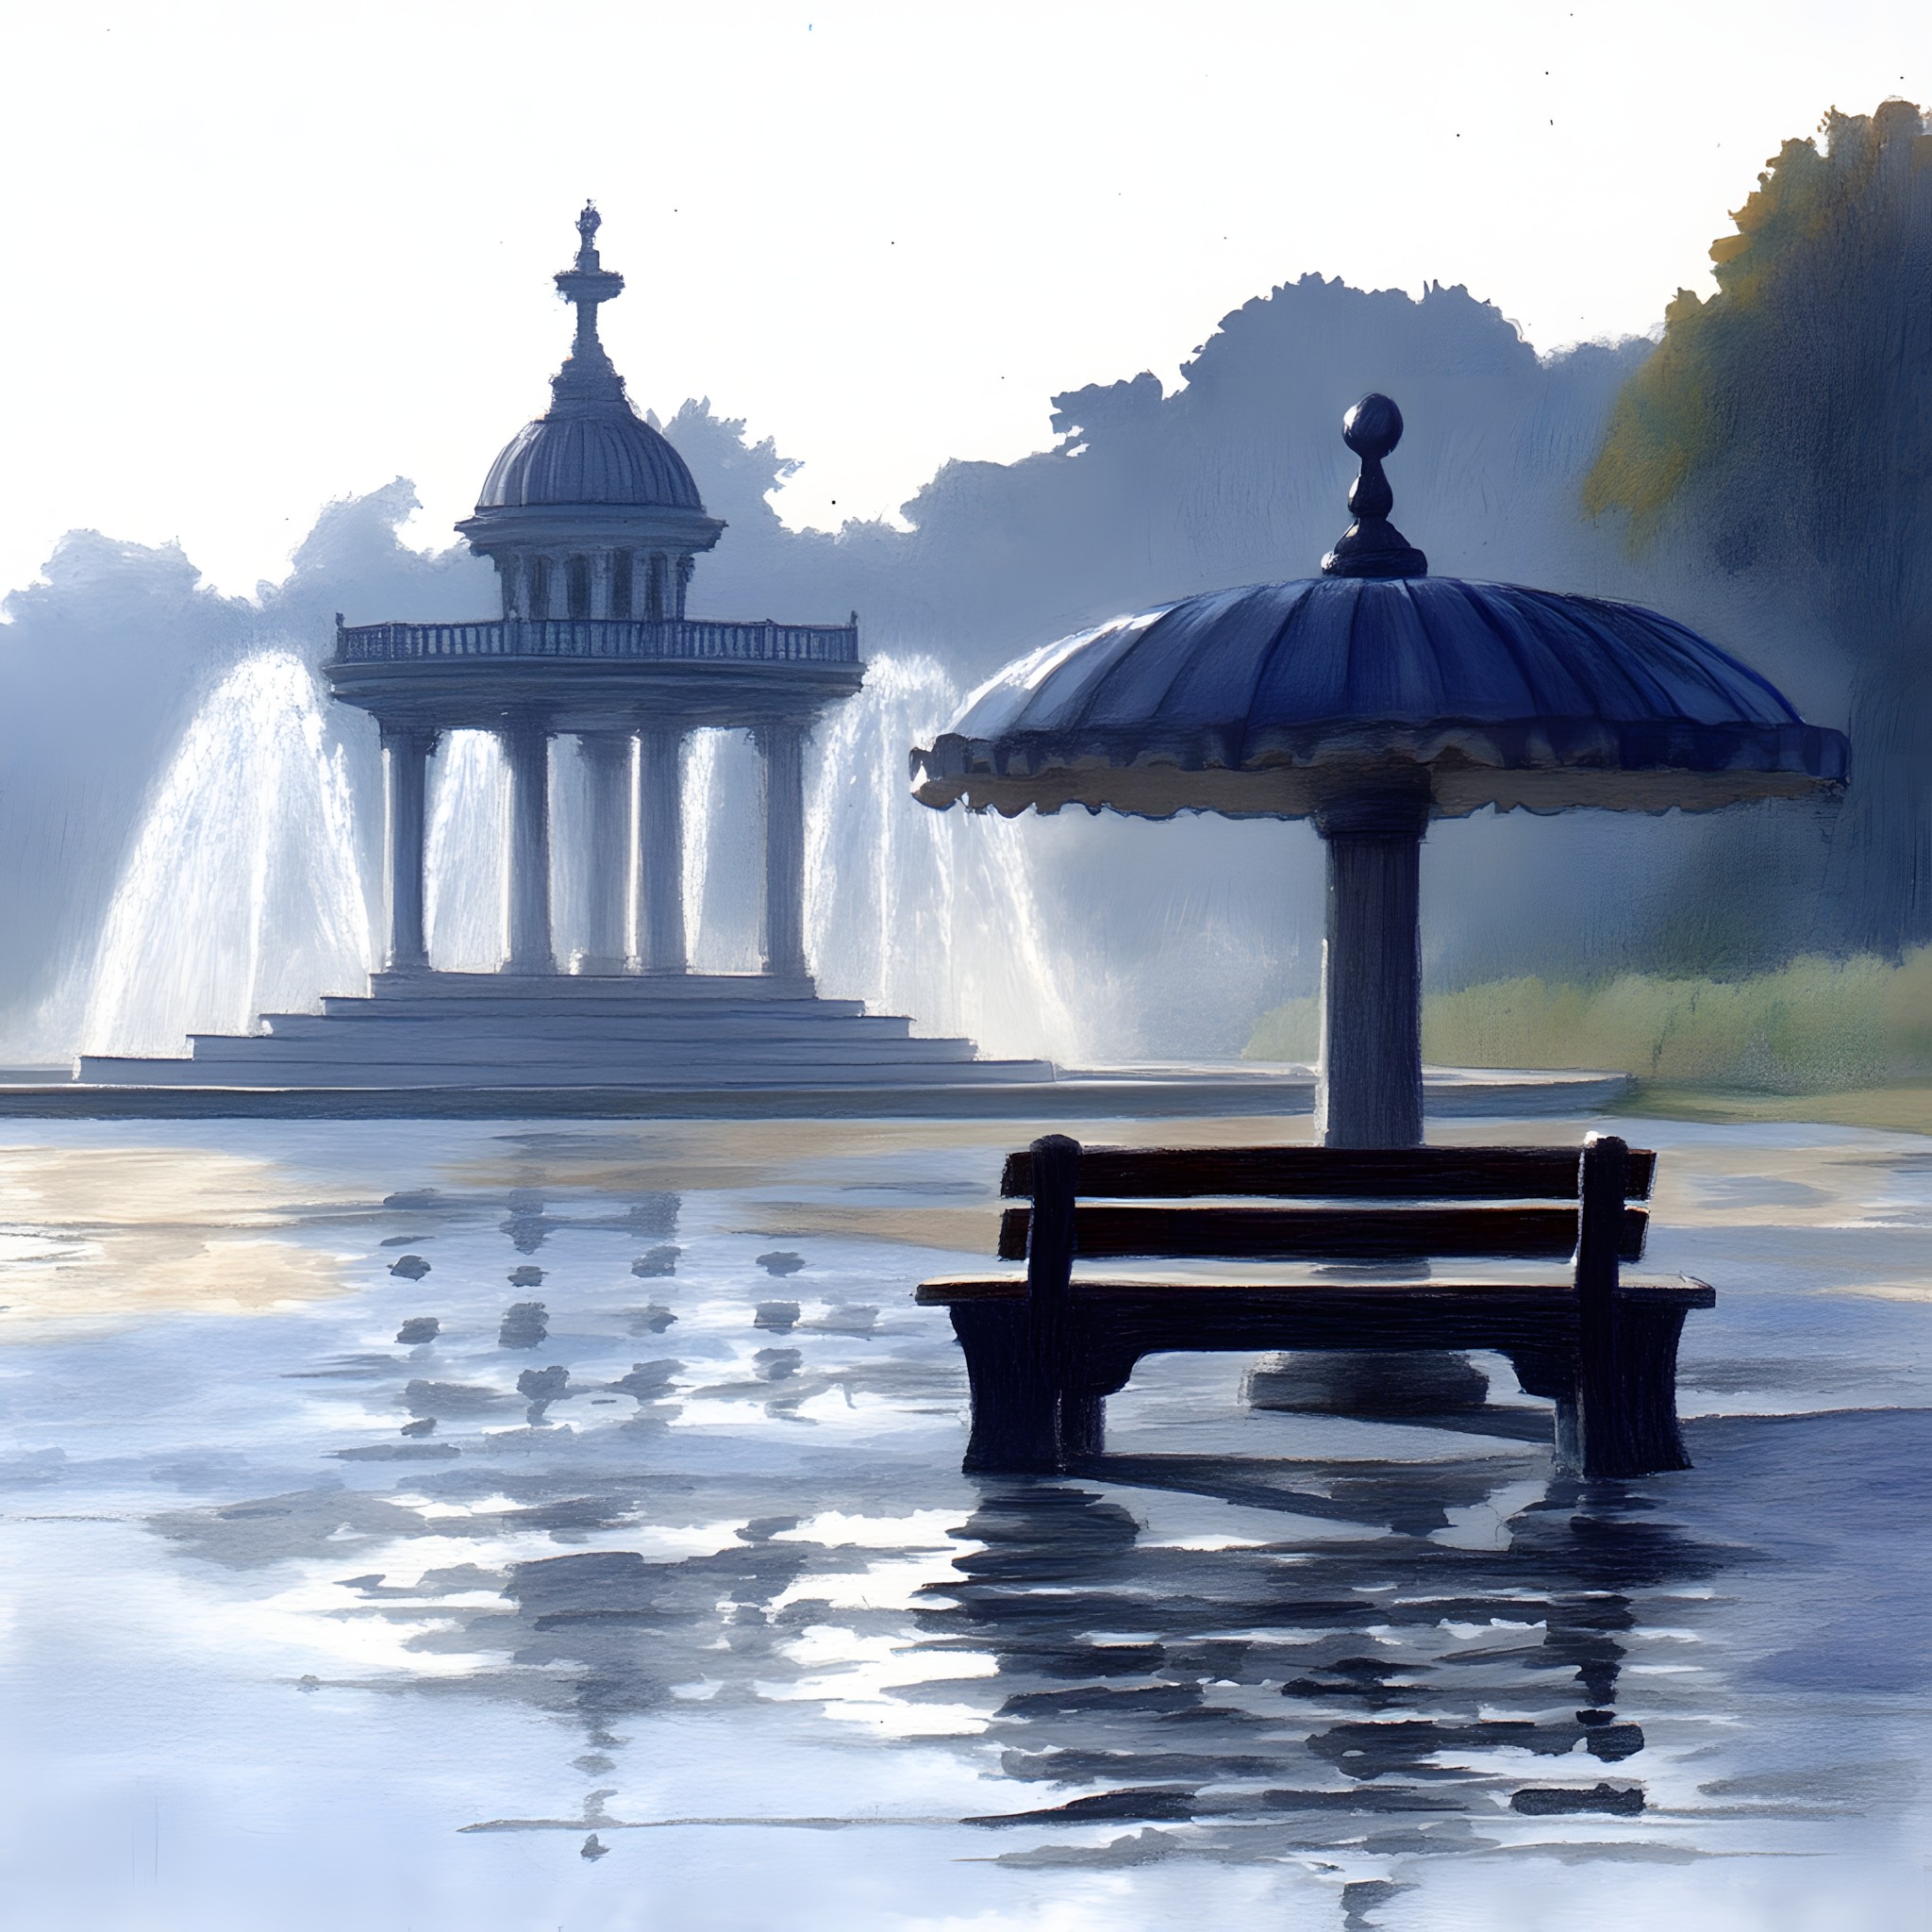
(437, 1524)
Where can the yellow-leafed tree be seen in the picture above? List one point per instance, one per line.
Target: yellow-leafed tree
(1785, 422)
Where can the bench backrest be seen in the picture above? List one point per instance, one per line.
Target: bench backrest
(1431, 1203)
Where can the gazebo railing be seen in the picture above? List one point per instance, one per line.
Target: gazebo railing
(681, 638)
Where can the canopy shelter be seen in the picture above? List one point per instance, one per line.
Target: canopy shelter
(1371, 699)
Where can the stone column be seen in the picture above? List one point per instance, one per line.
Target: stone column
(661, 849)
(782, 750)
(600, 583)
(526, 753)
(607, 763)
(1372, 979)
(406, 751)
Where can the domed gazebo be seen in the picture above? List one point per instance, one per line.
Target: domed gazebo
(595, 525)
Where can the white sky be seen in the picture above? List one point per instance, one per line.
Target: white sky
(267, 255)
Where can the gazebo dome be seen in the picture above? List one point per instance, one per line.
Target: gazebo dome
(606, 456)
(589, 512)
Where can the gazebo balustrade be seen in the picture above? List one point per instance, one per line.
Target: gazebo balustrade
(671, 639)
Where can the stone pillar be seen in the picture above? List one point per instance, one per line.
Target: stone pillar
(685, 566)
(513, 576)
(1372, 979)
(526, 753)
(661, 849)
(406, 751)
(782, 751)
(607, 762)
(600, 584)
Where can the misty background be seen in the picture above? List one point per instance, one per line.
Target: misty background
(1143, 940)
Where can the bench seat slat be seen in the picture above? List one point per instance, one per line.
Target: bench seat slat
(945, 1290)
(1442, 1173)
(1113, 1232)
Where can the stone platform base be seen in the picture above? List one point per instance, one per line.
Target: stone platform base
(685, 1033)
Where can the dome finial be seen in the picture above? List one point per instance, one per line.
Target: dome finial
(587, 378)
(1371, 546)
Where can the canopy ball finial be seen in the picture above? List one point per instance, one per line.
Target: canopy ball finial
(1371, 546)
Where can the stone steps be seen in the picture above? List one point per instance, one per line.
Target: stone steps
(424, 1043)
(731, 1026)
(575, 989)
(690, 1034)
(549, 1075)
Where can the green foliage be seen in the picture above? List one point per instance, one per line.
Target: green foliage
(1804, 375)
(1815, 1026)
(1291, 1031)
(1784, 426)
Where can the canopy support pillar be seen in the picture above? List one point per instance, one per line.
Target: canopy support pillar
(1371, 1092)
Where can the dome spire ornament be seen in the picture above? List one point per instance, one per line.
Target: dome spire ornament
(590, 479)
(1371, 546)
(587, 376)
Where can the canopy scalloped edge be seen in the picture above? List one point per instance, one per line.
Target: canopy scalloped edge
(1545, 766)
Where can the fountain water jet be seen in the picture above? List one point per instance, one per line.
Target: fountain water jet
(243, 891)
(466, 881)
(921, 913)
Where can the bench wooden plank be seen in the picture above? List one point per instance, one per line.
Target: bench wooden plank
(1359, 1174)
(945, 1290)
(1114, 1232)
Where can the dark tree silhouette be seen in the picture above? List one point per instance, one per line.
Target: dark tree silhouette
(1785, 424)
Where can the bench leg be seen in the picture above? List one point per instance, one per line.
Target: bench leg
(1083, 1423)
(1024, 1416)
(1553, 1377)
(1629, 1394)
(1016, 1400)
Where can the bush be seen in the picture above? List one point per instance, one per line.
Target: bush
(1814, 1027)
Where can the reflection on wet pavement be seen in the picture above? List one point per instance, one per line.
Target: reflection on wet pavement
(682, 1569)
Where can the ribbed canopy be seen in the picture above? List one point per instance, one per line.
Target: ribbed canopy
(1277, 699)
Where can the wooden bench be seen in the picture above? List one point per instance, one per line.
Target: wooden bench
(1045, 1349)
